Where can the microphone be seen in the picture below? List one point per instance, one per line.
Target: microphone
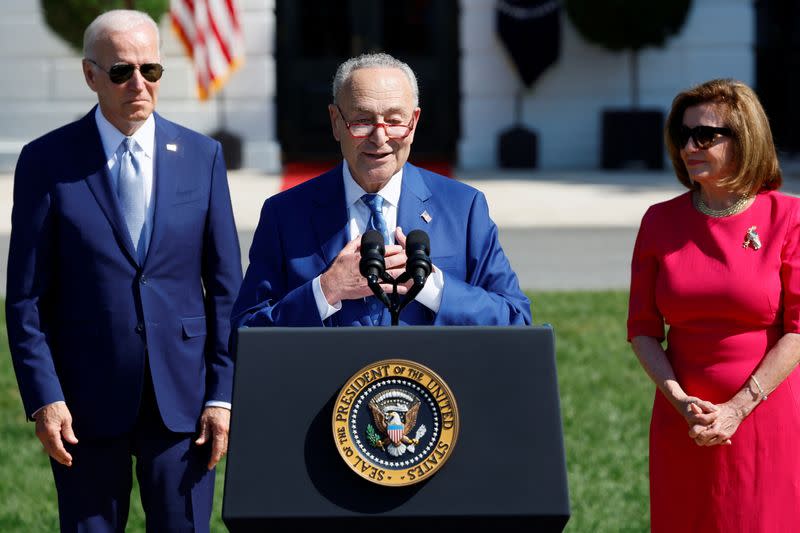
(372, 264)
(418, 249)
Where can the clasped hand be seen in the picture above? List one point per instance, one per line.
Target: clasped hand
(710, 424)
(343, 280)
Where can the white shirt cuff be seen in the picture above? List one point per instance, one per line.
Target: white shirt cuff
(431, 294)
(325, 309)
(36, 412)
(215, 403)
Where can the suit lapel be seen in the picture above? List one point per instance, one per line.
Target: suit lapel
(165, 168)
(414, 195)
(99, 182)
(330, 214)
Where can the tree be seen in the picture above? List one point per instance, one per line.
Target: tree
(69, 18)
(628, 25)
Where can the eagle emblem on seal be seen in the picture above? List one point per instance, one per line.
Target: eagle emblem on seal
(395, 415)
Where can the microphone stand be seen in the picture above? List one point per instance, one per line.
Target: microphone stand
(373, 268)
(392, 300)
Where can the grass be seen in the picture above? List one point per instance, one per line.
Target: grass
(605, 405)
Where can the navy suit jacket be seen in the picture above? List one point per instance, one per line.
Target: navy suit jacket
(81, 311)
(302, 230)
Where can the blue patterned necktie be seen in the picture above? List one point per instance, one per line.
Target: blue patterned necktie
(130, 191)
(376, 220)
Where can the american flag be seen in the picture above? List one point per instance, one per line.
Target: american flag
(211, 32)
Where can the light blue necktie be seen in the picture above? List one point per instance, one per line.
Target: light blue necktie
(376, 220)
(130, 191)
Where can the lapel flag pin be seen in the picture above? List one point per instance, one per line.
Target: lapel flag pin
(426, 217)
(172, 147)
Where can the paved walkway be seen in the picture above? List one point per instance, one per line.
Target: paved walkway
(516, 199)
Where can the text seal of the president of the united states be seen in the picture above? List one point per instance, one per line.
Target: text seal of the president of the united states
(395, 422)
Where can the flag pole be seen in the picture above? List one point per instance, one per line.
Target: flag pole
(231, 143)
(222, 123)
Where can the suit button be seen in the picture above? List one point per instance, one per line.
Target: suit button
(139, 327)
(143, 280)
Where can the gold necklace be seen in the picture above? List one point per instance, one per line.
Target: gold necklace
(737, 207)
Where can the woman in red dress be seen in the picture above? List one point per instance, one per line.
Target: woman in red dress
(720, 266)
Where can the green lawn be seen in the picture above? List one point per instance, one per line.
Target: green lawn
(605, 405)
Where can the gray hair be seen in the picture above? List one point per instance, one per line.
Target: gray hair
(378, 60)
(116, 20)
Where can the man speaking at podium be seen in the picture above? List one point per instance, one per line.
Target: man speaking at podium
(304, 260)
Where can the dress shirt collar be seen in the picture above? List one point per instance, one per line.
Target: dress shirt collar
(111, 137)
(353, 191)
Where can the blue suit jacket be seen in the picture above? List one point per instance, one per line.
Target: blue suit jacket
(81, 311)
(302, 230)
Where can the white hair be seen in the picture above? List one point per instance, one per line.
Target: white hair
(116, 20)
(377, 60)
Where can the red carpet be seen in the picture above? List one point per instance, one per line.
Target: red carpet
(295, 173)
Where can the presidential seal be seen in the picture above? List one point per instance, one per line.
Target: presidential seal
(395, 422)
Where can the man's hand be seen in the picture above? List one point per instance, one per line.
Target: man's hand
(53, 427)
(396, 264)
(343, 280)
(215, 422)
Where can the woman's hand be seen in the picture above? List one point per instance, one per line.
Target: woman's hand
(695, 411)
(700, 415)
(721, 429)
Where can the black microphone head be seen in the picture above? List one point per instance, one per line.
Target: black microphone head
(417, 239)
(372, 240)
(418, 249)
(372, 263)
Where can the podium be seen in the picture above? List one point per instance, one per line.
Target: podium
(507, 470)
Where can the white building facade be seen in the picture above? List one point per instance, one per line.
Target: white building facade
(44, 87)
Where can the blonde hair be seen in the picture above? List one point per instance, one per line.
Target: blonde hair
(754, 154)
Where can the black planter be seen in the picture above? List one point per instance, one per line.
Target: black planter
(231, 148)
(517, 147)
(633, 139)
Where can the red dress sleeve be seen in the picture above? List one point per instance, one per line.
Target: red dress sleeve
(644, 318)
(790, 272)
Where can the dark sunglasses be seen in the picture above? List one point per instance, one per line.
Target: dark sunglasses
(703, 136)
(122, 72)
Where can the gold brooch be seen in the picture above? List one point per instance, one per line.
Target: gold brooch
(751, 239)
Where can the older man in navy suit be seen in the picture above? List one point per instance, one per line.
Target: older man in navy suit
(123, 266)
(304, 261)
